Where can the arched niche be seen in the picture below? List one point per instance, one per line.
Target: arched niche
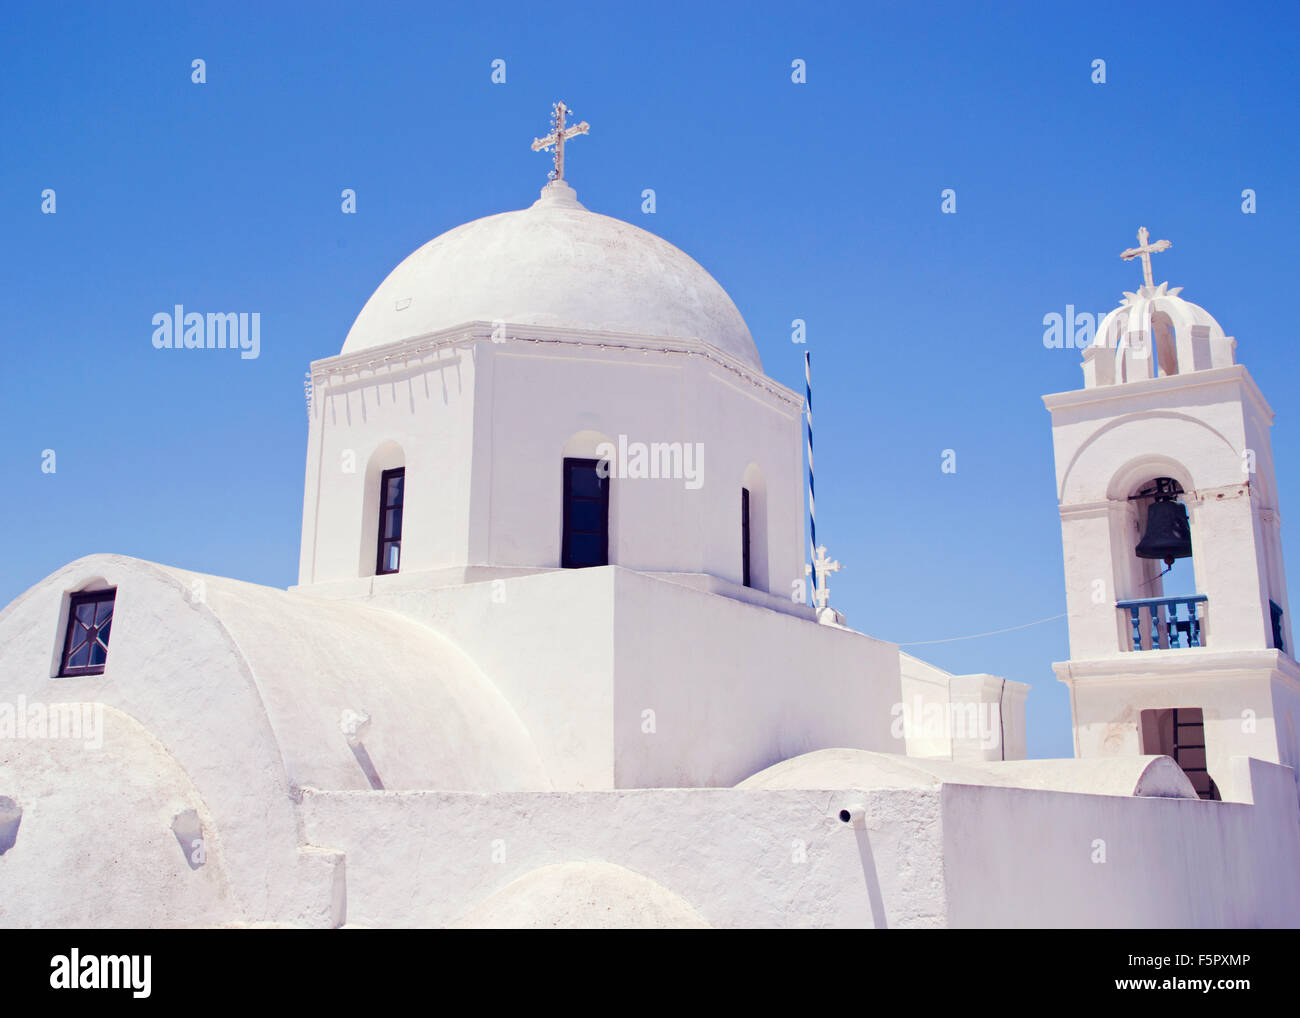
(587, 444)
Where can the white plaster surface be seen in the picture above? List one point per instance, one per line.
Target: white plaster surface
(739, 858)
(1169, 862)
(582, 895)
(95, 845)
(583, 654)
(482, 429)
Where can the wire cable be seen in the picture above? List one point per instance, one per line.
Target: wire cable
(976, 636)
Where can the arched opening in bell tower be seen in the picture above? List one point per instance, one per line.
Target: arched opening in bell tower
(1162, 329)
(1160, 605)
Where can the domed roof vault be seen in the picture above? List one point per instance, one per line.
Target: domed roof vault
(554, 266)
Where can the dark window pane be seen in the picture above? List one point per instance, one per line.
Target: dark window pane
(392, 524)
(85, 643)
(1192, 758)
(392, 490)
(744, 536)
(584, 483)
(586, 516)
(587, 549)
(585, 541)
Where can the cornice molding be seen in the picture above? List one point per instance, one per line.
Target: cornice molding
(1233, 373)
(379, 361)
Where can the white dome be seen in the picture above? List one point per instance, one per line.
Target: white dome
(554, 264)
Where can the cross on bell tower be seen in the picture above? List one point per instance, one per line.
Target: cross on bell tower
(558, 136)
(1145, 251)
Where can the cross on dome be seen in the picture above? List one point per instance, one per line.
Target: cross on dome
(558, 136)
(1145, 251)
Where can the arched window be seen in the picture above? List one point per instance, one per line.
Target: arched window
(383, 511)
(392, 495)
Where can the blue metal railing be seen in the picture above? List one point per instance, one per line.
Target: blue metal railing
(1170, 623)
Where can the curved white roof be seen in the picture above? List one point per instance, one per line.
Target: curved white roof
(256, 673)
(436, 721)
(863, 769)
(554, 264)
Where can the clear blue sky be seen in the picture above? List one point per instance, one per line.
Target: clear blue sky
(817, 201)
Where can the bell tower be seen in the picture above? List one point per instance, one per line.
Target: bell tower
(1180, 631)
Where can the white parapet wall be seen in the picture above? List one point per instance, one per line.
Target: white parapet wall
(734, 857)
(959, 717)
(931, 851)
(1018, 857)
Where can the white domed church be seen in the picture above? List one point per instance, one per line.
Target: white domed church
(551, 659)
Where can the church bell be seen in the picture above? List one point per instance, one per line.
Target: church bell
(1169, 535)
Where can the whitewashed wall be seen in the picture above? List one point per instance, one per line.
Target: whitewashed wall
(581, 654)
(484, 428)
(1027, 858)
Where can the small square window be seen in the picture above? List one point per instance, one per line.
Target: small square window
(85, 644)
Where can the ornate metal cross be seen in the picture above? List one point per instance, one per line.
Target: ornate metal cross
(823, 566)
(558, 136)
(1145, 251)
